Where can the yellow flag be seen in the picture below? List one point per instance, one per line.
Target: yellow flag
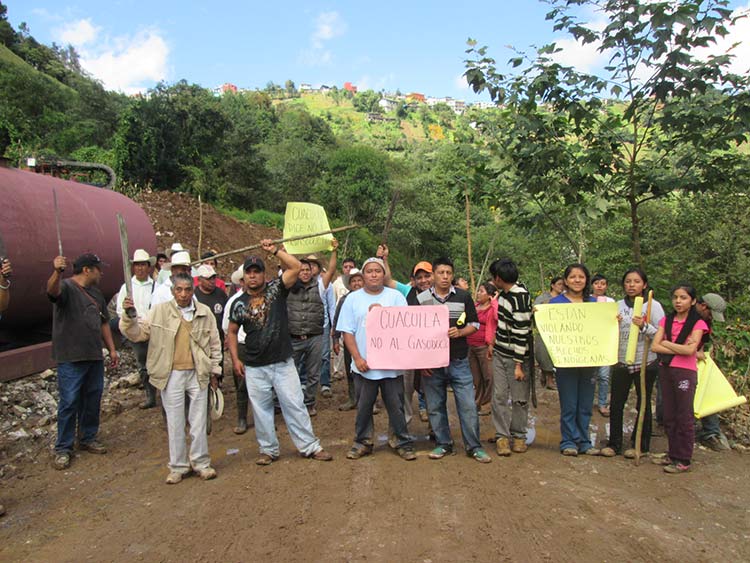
(633, 334)
(306, 218)
(579, 334)
(714, 393)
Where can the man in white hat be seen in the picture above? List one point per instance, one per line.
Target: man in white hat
(143, 288)
(184, 355)
(179, 264)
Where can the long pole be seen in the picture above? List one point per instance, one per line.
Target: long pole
(278, 241)
(468, 241)
(644, 363)
(130, 311)
(57, 223)
(200, 227)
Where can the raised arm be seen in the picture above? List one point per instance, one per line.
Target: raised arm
(327, 277)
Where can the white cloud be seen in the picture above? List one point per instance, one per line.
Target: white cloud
(328, 25)
(131, 64)
(367, 82)
(127, 63)
(461, 83)
(78, 33)
(584, 58)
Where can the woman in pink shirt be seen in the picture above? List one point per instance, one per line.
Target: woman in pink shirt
(677, 341)
(481, 367)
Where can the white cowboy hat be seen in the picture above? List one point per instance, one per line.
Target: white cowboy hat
(176, 247)
(180, 258)
(141, 255)
(206, 271)
(237, 276)
(216, 402)
(348, 278)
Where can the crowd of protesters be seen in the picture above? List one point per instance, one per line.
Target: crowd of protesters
(285, 333)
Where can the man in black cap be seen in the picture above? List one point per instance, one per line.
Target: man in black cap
(268, 365)
(80, 323)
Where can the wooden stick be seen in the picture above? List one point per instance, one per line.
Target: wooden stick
(130, 311)
(57, 223)
(278, 241)
(389, 218)
(468, 241)
(644, 363)
(200, 226)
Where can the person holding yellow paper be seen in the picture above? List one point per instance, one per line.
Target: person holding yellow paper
(624, 374)
(575, 385)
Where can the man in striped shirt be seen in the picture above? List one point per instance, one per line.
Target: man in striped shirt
(509, 354)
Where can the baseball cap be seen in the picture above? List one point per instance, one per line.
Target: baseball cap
(206, 271)
(426, 266)
(717, 305)
(254, 262)
(87, 260)
(373, 260)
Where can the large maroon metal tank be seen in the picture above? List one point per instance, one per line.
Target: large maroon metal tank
(88, 223)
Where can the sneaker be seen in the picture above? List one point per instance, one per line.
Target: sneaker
(519, 446)
(407, 453)
(347, 406)
(440, 452)
(481, 456)
(326, 393)
(358, 451)
(393, 442)
(608, 452)
(423, 416)
(61, 461)
(676, 468)
(662, 459)
(206, 474)
(503, 446)
(572, 452)
(593, 451)
(714, 443)
(173, 478)
(312, 411)
(93, 447)
(321, 455)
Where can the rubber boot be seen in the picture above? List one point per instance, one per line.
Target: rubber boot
(150, 392)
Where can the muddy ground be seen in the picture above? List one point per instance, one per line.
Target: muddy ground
(538, 506)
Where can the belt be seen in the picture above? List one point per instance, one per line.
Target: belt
(303, 336)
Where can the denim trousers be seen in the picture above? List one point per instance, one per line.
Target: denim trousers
(392, 391)
(602, 379)
(308, 356)
(510, 399)
(80, 385)
(281, 377)
(325, 361)
(575, 387)
(183, 383)
(709, 427)
(622, 380)
(678, 391)
(458, 375)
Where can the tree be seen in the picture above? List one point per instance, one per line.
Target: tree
(367, 101)
(673, 124)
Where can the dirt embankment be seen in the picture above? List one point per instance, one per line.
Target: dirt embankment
(175, 218)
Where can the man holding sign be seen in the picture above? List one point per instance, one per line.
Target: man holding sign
(352, 323)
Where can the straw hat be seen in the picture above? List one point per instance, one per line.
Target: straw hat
(216, 402)
(141, 255)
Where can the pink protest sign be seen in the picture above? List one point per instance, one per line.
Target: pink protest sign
(408, 337)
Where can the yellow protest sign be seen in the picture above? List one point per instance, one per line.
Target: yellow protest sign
(579, 334)
(306, 218)
(713, 393)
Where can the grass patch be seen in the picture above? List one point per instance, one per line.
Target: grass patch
(257, 217)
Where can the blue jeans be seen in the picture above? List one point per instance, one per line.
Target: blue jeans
(575, 386)
(457, 375)
(602, 377)
(709, 427)
(280, 377)
(422, 402)
(80, 385)
(325, 364)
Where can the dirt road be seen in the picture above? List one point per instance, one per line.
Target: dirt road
(539, 506)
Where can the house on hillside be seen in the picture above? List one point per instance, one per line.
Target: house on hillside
(388, 104)
(305, 87)
(349, 87)
(324, 89)
(224, 88)
(415, 97)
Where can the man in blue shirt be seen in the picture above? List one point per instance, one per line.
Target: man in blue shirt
(352, 323)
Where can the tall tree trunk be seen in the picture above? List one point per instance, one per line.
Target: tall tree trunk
(635, 232)
(468, 241)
